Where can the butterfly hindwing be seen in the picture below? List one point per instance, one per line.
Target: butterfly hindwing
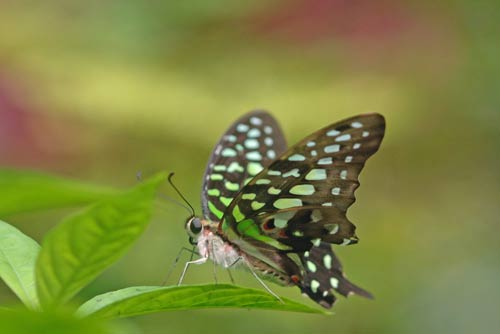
(323, 273)
(246, 148)
(301, 198)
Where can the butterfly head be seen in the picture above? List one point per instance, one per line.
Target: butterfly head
(193, 226)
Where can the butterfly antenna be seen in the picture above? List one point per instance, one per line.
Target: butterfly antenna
(179, 193)
(175, 202)
(162, 195)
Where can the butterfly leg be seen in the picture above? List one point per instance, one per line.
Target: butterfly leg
(229, 266)
(230, 276)
(177, 258)
(201, 260)
(268, 289)
(214, 264)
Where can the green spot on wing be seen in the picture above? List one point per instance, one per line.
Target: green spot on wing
(285, 203)
(213, 192)
(316, 174)
(257, 205)
(214, 210)
(254, 168)
(225, 200)
(248, 227)
(228, 152)
(216, 177)
(249, 196)
(235, 167)
(302, 189)
(238, 216)
(220, 168)
(231, 186)
(273, 191)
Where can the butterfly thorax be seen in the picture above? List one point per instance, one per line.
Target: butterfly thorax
(211, 245)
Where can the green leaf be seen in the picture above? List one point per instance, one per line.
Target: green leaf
(82, 246)
(18, 254)
(21, 192)
(28, 322)
(149, 299)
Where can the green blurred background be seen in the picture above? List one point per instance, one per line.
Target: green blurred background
(100, 90)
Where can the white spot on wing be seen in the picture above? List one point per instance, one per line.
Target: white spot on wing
(253, 155)
(356, 125)
(253, 133)
(230, 138)
(294, 172)
(296, 157)
(302, 189)
(316, 174)
(334, 282)
(332, 148)
(312, 268)
(255, 121)
(325, 161)
(327, 261)
(332, 133)
(314, 283)
(344, 137)
(242, 128)
(235, 167)
(228, 152)
(251, 144)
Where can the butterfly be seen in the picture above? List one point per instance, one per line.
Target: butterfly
(277, 210)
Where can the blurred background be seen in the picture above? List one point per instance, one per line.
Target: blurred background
(99, 90)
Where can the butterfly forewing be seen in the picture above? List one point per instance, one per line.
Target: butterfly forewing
(301, 198)
(246, 148)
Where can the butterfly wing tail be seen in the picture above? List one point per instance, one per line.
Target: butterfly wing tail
(323, 274)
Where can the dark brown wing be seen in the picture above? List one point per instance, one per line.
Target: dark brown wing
(301, 199)
(246, 148)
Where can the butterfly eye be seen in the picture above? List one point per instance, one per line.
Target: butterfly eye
(194, 226)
